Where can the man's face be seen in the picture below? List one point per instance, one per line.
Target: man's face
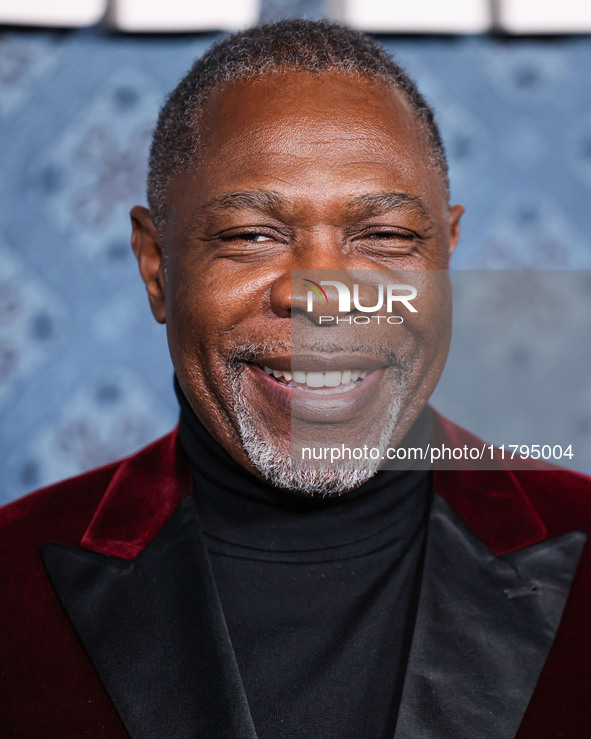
(298, 172)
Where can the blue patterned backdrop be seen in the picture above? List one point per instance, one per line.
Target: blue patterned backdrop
(84, 370)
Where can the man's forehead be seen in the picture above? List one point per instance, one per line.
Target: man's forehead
(267, 141)
(307, 104)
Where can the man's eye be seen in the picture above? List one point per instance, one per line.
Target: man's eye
(386, 235)
(256, 238)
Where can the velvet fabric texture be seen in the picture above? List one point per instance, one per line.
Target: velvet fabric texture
(48, 685)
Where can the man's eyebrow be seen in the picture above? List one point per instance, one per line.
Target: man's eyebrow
(273, 202)
(371, 204)
(263, 201)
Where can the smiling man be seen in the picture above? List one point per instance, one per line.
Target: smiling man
(327, 161)
(222, 584)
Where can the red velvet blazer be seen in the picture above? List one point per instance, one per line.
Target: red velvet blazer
(98, 640)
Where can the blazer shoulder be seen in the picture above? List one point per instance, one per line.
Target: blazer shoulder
(59, 511)
(62, 511)
(561, 497)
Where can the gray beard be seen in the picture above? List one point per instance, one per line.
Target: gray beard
(277, 466)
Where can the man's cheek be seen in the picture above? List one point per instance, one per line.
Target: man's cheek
(191, 307)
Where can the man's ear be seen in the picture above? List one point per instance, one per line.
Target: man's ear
(455, 213)
(147, 247)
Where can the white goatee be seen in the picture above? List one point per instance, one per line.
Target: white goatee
(316, 479)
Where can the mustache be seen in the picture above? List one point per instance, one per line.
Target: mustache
(255, 352)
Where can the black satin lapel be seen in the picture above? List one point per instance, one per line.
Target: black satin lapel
(484, 627)
(155, 632)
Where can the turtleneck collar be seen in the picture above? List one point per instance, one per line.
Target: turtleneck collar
(237, 507)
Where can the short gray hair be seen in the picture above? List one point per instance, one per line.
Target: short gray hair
(311, 46)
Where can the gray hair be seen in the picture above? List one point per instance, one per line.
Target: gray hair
(303, 45)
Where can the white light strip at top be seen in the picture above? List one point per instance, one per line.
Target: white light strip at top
(59, 13)
(545, 16)
(169, 16)
(414, 16)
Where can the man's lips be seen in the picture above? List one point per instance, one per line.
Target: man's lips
(321, 374)
(322, 362)
(319, 383)
(323, 403)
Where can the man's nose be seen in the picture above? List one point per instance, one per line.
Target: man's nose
(298, 288)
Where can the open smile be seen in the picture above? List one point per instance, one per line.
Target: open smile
(322, 392)
(319, 383)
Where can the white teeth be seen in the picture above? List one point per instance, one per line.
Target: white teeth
(335, 381)
(315, 379)
(332, 379)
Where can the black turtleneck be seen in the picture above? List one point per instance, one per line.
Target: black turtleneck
(319, 595)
